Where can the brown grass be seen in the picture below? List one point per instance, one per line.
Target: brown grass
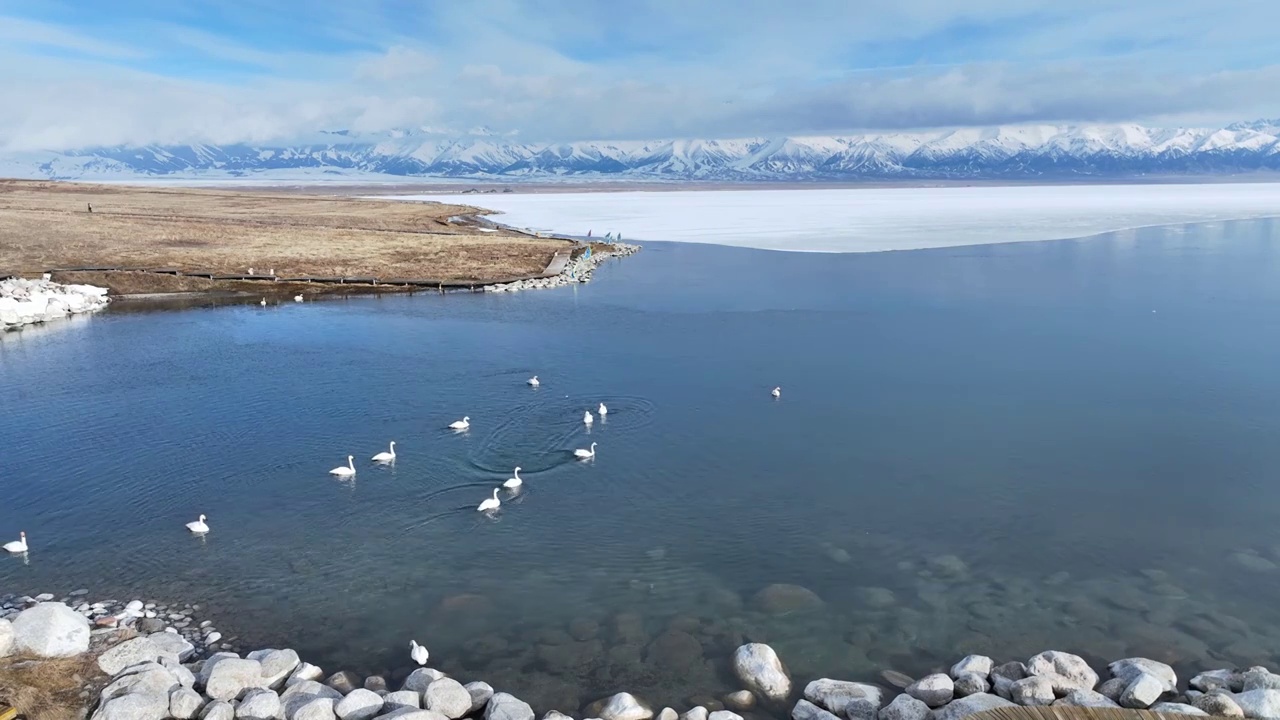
(45, 225)
(47, 689)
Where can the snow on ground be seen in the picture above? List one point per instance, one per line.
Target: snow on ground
(875, 219)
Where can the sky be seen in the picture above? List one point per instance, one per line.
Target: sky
(81, 73)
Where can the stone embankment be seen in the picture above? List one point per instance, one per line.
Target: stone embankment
(26, 302)
(159, 663)
(577, 270)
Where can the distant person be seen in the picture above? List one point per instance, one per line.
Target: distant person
(90, 206)
(588, 233)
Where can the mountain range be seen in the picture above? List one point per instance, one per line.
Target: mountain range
(1024, 152)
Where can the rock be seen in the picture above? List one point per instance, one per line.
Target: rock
(1142, 692)
(947, 565)
(179, 671)
(933, 690)
(980, 664)
(259, 704)
(1010, 670)
(782, 599)
(1071, 667)
(875, 598)
(185, 703)
(1259, 679)
(205, 667)
(6, 638)
(724, 715)
(411, 714)
(447, 697)
(410, 699)
(1032, 691)
(1251, 561)
(277, 665)
(583, 629)
(480, 693)
(301, 693)
(304, 672)
(1259, 703)
(507, 707)
(837, 695)
(1112, 689)
(144, 679)
(134, 706)
(740, 701)
(173, 645)
(674, 650)
(1086, 698)
(556, 715)
(904, 707)
(132, 606)
(377, 684)
(51, 630)
(896, 679)
(1177, 709)
(343, 681)
(1217, 679)
(966, 706)
(316, 708)
(759, 670)
(359, 704)
(697, 712)
(232, 676)
(622, 706)
(218, 711)
(1218, 704)
(971, 684)
(420, 679)
(129, 652)
(1130, 668)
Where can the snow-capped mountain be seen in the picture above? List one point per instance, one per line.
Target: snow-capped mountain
(1025, 152)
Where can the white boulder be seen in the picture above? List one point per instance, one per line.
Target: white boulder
(760, 670)
(51, 630)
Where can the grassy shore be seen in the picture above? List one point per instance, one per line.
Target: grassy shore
(45, 225)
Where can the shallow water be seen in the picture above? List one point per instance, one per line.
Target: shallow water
(999, 449)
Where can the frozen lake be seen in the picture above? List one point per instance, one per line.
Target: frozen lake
(876, 219)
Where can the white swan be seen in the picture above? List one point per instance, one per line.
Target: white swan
(585, 454)
(297, 298)
(462, 424)
(777, 393)
(514, 481)
(388, 456)
(602, 410)
(533, 381)
(586, 417)
(490, 504)
(199, 526)
(19, 545)
(345, 470)
(263, 303)
(418, 653)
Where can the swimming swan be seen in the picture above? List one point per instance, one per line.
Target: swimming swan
(345, 470)
(297, 298)
(533, 381)
(388, 456)
(263, 303)
(777, 393)
(198, 526)
(602, 410)
(514, 481)
(586, 417)
(585, 454)
(19, 545)
(490, 504)
(418, 653)
(462, 424)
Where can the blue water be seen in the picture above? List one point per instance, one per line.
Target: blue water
(1089, 426)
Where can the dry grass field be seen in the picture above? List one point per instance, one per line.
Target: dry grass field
(45, 225)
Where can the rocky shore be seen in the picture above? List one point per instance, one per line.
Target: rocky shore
(26, 302)
(159, 661)
(577, 270)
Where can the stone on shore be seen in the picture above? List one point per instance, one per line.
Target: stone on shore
(6, 638)
(1004, 676)
(50, 630)
(970, 684)
(740, 701)
(316, 708)
(1259, 679)
(298, 695)
(1177, 709)
(1142, 692)
(621, 706)
(980, 664)
(760, 670)
(277, 665)
(344, 681)
(783, 599)
(966, 706)
(556, 715)
(447, 697)
(503, 706)
(904, 707)
(1211, 680)
(304, 672)
(724, 715)
(127, 653)
(805, 710)
(1071, 667)
(480, 693)
(419, 680)
(1032, 691)
(185, 703)
(218, 710)
(1218, 704)
(134, 706)
(232, 676)
(933, 690)
(896, 679)
(1130, 668)
(359, 704)
(206, 666)
(173, 644)
(407, 699)
(144, 679)
(697, 712)
(1259, 703)
(259, 704)
(836, 696)
(1086, 698)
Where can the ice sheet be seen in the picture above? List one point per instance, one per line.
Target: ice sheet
(876, 219)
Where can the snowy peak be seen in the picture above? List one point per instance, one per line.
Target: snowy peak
(1004, 152)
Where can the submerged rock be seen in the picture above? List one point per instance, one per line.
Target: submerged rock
(760, 670)
(896, 679)
(740, 700)
(782, 599)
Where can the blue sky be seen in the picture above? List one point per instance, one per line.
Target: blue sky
(85, 72)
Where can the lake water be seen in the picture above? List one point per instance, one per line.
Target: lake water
(999, 449)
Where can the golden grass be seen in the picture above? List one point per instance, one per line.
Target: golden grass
(45, 225)
(47, 689)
